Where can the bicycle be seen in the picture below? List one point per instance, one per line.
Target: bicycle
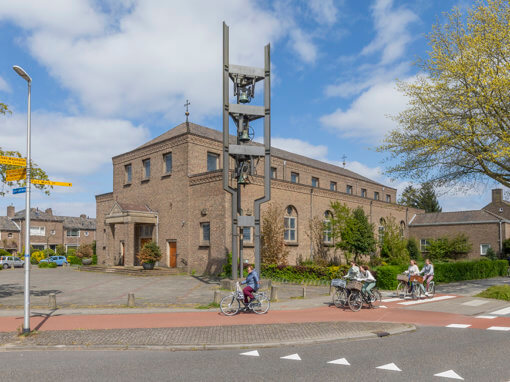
(357, 297)
(231, 304)
(412, 287)
(340, 296)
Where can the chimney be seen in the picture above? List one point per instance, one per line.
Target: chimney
(83, 216)
(497, 195)
(10, 211)
(49, 211)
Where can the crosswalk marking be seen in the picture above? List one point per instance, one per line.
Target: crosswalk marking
(340, 361)
(475, 302)
(253, 353)
(460, 326)
(502, 312)
(425, 301)
(389, 366)
(503, 328)
(449, 374)
(294, 357)
(487, 317)
(391, 299)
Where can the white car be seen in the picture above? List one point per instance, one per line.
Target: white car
(11, 261)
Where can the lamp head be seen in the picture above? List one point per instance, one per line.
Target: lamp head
(22, 73)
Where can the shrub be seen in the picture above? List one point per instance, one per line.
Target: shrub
(73, 260)
(500, 292)
(299, 273)
(71, 252)
(1, 267)
(44, 265)
(491, 254)
(49, 252)
(386, 276)
(413, 249)
(506, 247)
(52, 265)
(84, 251)
(36, 257)
(60, 250)
(3, 252)
(150, 253)
(445, 247)
(94, 259)
(393, 245)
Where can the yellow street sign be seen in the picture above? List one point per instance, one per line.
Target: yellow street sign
(50, 183)
(13, 161)
(17, 174)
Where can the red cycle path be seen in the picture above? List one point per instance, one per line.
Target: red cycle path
(393, 313)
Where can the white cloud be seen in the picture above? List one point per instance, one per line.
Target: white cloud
(65, 145)
(324, 11)
(392, 35)
(297, 146)
(4, 86)
(367, 116)
(148, 56)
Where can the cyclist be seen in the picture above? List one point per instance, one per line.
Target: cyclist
(428, 275)
(411, 271)
(368, 280)
(353, 272)
(252, 284)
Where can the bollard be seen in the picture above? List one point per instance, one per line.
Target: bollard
(226, 284)
(131, 300)
(274, 293)
(217, 297)
(304, 292)
(330, 289)
(52, 301)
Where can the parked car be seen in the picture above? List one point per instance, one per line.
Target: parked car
(59, 260)
(11, 261)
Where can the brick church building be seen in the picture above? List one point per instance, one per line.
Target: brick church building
(170, 190)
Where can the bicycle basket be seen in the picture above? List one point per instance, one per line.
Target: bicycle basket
(338, 283)
(402, 277)
(416, 278)
(356, 285)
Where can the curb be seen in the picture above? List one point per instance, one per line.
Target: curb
(404, 328)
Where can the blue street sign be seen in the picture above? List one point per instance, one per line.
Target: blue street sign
(19, 190)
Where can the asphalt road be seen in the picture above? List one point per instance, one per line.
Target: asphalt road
(474, 355)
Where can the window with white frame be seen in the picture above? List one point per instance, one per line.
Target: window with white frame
(424, 245)
(290, 225)
(484, 248)
(37, 231)
(146, 168)
(205, 233)
(212, 161)
(328, 236)
(73, 232)
(167, 158)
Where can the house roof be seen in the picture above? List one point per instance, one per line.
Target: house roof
(79, 222)
(133, 207)
(7, 224)
(456, 217)
(217, 135)
(37, 214)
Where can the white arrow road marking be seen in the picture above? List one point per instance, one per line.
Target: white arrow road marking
(295, 357)
(487, 317)
(253, 353)
(389, 366)
(460, 326)
(502, 312)
(391, 299)
(341, 361)
(504, 328)
(449, 374)
(428, 300)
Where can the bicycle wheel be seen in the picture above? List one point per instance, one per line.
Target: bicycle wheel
(401, 289)
(260, 304)
(416, 291)
(431, 290)
(340, 298)
(355, 301)
(376, 298)
(229, 305)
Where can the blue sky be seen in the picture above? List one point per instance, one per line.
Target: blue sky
(110, 75)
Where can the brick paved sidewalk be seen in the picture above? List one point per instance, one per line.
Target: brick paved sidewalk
(212, 337)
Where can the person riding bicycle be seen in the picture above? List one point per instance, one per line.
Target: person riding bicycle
(353, 272)
(252, 284)
(412, 270)
(368, 280)
(428, 275)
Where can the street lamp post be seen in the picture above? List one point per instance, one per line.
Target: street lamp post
(26, 321)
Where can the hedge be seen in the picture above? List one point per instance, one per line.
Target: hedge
(446, 272)
(302, 272)
(73, 260)
(47, 265)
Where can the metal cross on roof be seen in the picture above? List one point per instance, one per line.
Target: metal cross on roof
(187, 112)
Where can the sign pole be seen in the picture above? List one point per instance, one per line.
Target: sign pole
(26, 322)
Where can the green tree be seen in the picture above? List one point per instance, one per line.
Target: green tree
(427, 199)
(352, 231)
(456, 128)
(409, 197)
(393, 245)
(413, 249)
(4, 108)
